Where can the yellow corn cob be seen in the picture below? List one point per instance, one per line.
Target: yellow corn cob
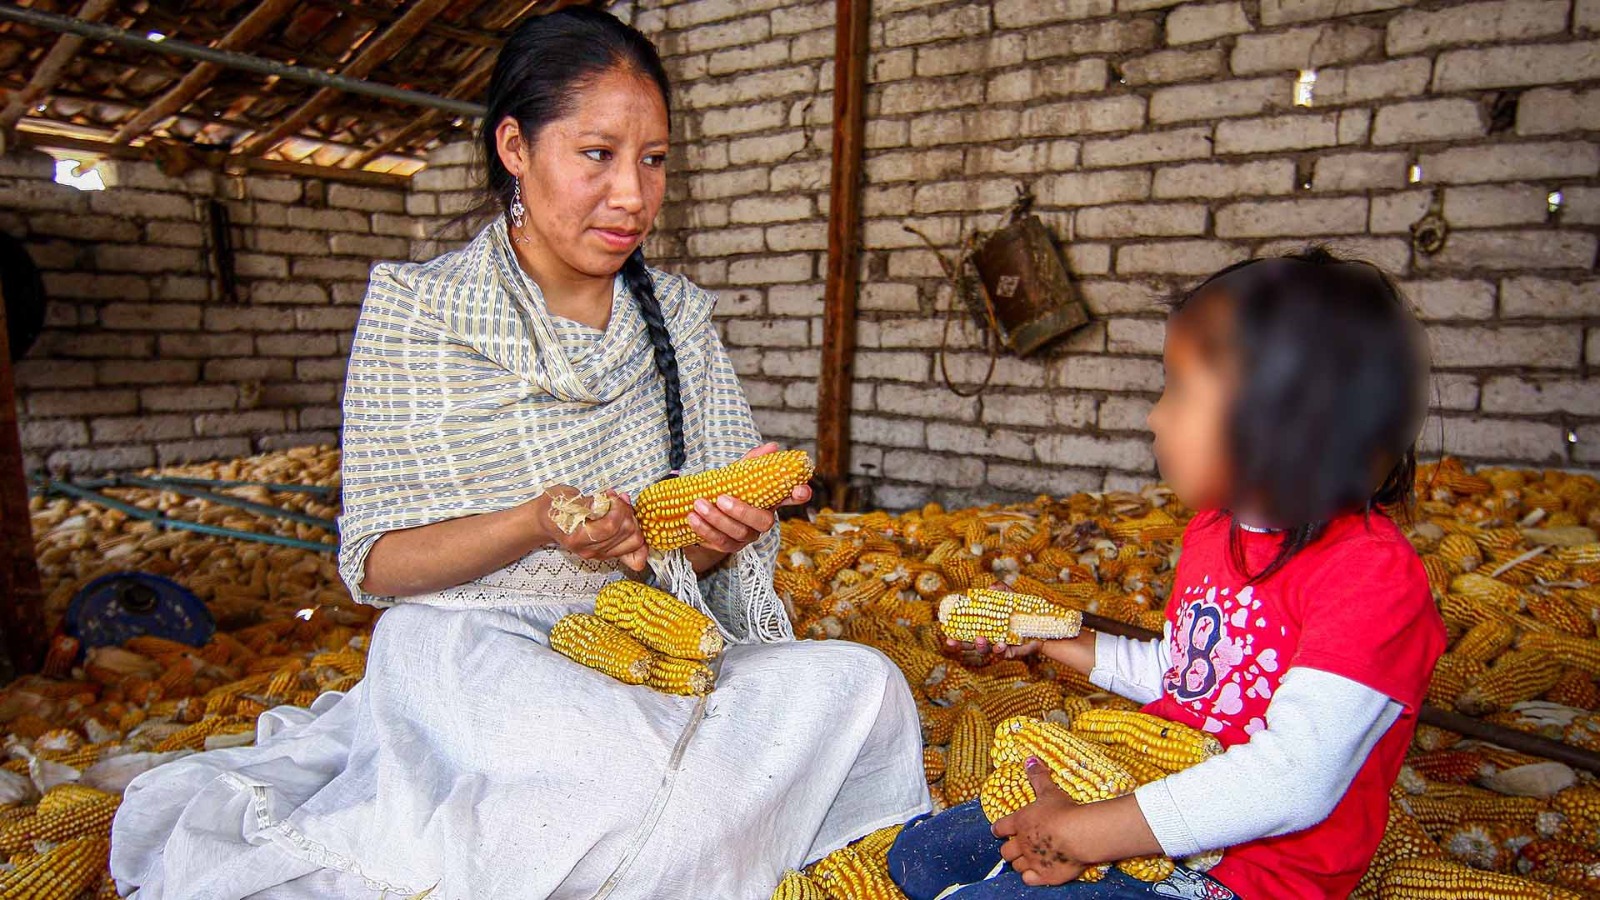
(681, 676)
(67, 795)
(1148, 868)
(1515, 676)
(1439, 879)
(967, 762)
(1485, 640)
(1006, 790)
(932, 764)
(658, 620)
(1451, 676)
(596, 643)
(848, 873)
(875, 846)
(1029, 700)
(1482, 845)
(1560, 615)
(1141, 767)
(938, 722)
(1564, 648)
(1080, 766)
(1489, 591)
(61, 873)
(663, 508)
(194, 736)
(1005, 617)
(1578, 555)
(87, 817)
(1171, 745)
(797, 886)
(1461, 552)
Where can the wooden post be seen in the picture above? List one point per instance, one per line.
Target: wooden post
(21, 598)
(844, 220)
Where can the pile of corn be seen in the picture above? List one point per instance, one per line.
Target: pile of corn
(1523, 654)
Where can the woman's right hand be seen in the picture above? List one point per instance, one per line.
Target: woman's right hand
(615, 535)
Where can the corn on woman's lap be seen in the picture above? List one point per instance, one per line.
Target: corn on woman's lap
(538, 778)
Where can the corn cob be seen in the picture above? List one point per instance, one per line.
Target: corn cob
(1005, 617)
(1485, 640)
(1578, 555)
(61, 873)
(681, 676)
(849, 874)
(1560, 615)
(1171, 745)
(1491, 592)
(932, 764)
(797, 886)
(1518, 675)
(875, 846)
(1484, 845)
(1029, 700)
(1439, 879)
(658, 620)
(1148, 868)
(764, 481)
(194, 736)
(1575, 688)
(1565, 649)
(1461, 552)
(67, 795)
(87, 817)
(967, 763)
(1141, 767)
(1451, 766)
(1079, 766)
(596, 643)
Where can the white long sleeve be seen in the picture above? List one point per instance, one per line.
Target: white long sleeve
(1131, 668)
(1320, 727)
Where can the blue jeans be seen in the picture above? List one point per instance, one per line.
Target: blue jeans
(954, 847)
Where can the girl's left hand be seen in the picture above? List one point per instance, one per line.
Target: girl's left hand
(730, 524)
(1041, 836)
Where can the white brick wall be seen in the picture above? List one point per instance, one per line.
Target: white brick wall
(143, 362)
(1162, 142)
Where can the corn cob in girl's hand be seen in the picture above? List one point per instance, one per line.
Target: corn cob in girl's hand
(765, 481)
(1004, 617)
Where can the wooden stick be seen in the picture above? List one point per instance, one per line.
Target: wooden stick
(1522, 742)
(51, 68)
(844, 222)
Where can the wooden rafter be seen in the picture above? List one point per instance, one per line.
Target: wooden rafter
(471, 86)
(254, 25)
(51, 68)
(371, 56)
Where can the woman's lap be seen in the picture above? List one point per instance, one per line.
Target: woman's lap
(955, 847)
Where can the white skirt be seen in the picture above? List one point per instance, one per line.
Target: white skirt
(475, 761)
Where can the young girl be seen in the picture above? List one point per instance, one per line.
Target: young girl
(1300, 629)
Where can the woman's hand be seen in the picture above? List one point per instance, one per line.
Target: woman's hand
(729, 524)
(1042, 838)
(615, 535)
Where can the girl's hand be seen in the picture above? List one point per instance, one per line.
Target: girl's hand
(615, 535)
(979, 651)
(730, 524)
(1040, 838)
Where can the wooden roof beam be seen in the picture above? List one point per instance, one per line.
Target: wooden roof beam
(371, 56)
(51, 68)
(471, 86)
(267, 14)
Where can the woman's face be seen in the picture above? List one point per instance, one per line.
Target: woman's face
(593, 180)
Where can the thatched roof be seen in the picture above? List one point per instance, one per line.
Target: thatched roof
(78, 91)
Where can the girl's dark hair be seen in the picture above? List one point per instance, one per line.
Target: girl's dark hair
(545, 62)
(1332, 372)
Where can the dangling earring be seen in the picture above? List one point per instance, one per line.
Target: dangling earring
(519, 213)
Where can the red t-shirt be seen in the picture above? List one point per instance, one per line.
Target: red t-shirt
(1357, 604)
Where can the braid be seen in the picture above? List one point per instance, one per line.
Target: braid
(639, 283)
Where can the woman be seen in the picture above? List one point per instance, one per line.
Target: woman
(472, 760)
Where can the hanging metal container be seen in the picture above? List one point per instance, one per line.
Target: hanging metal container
(1025, 283)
